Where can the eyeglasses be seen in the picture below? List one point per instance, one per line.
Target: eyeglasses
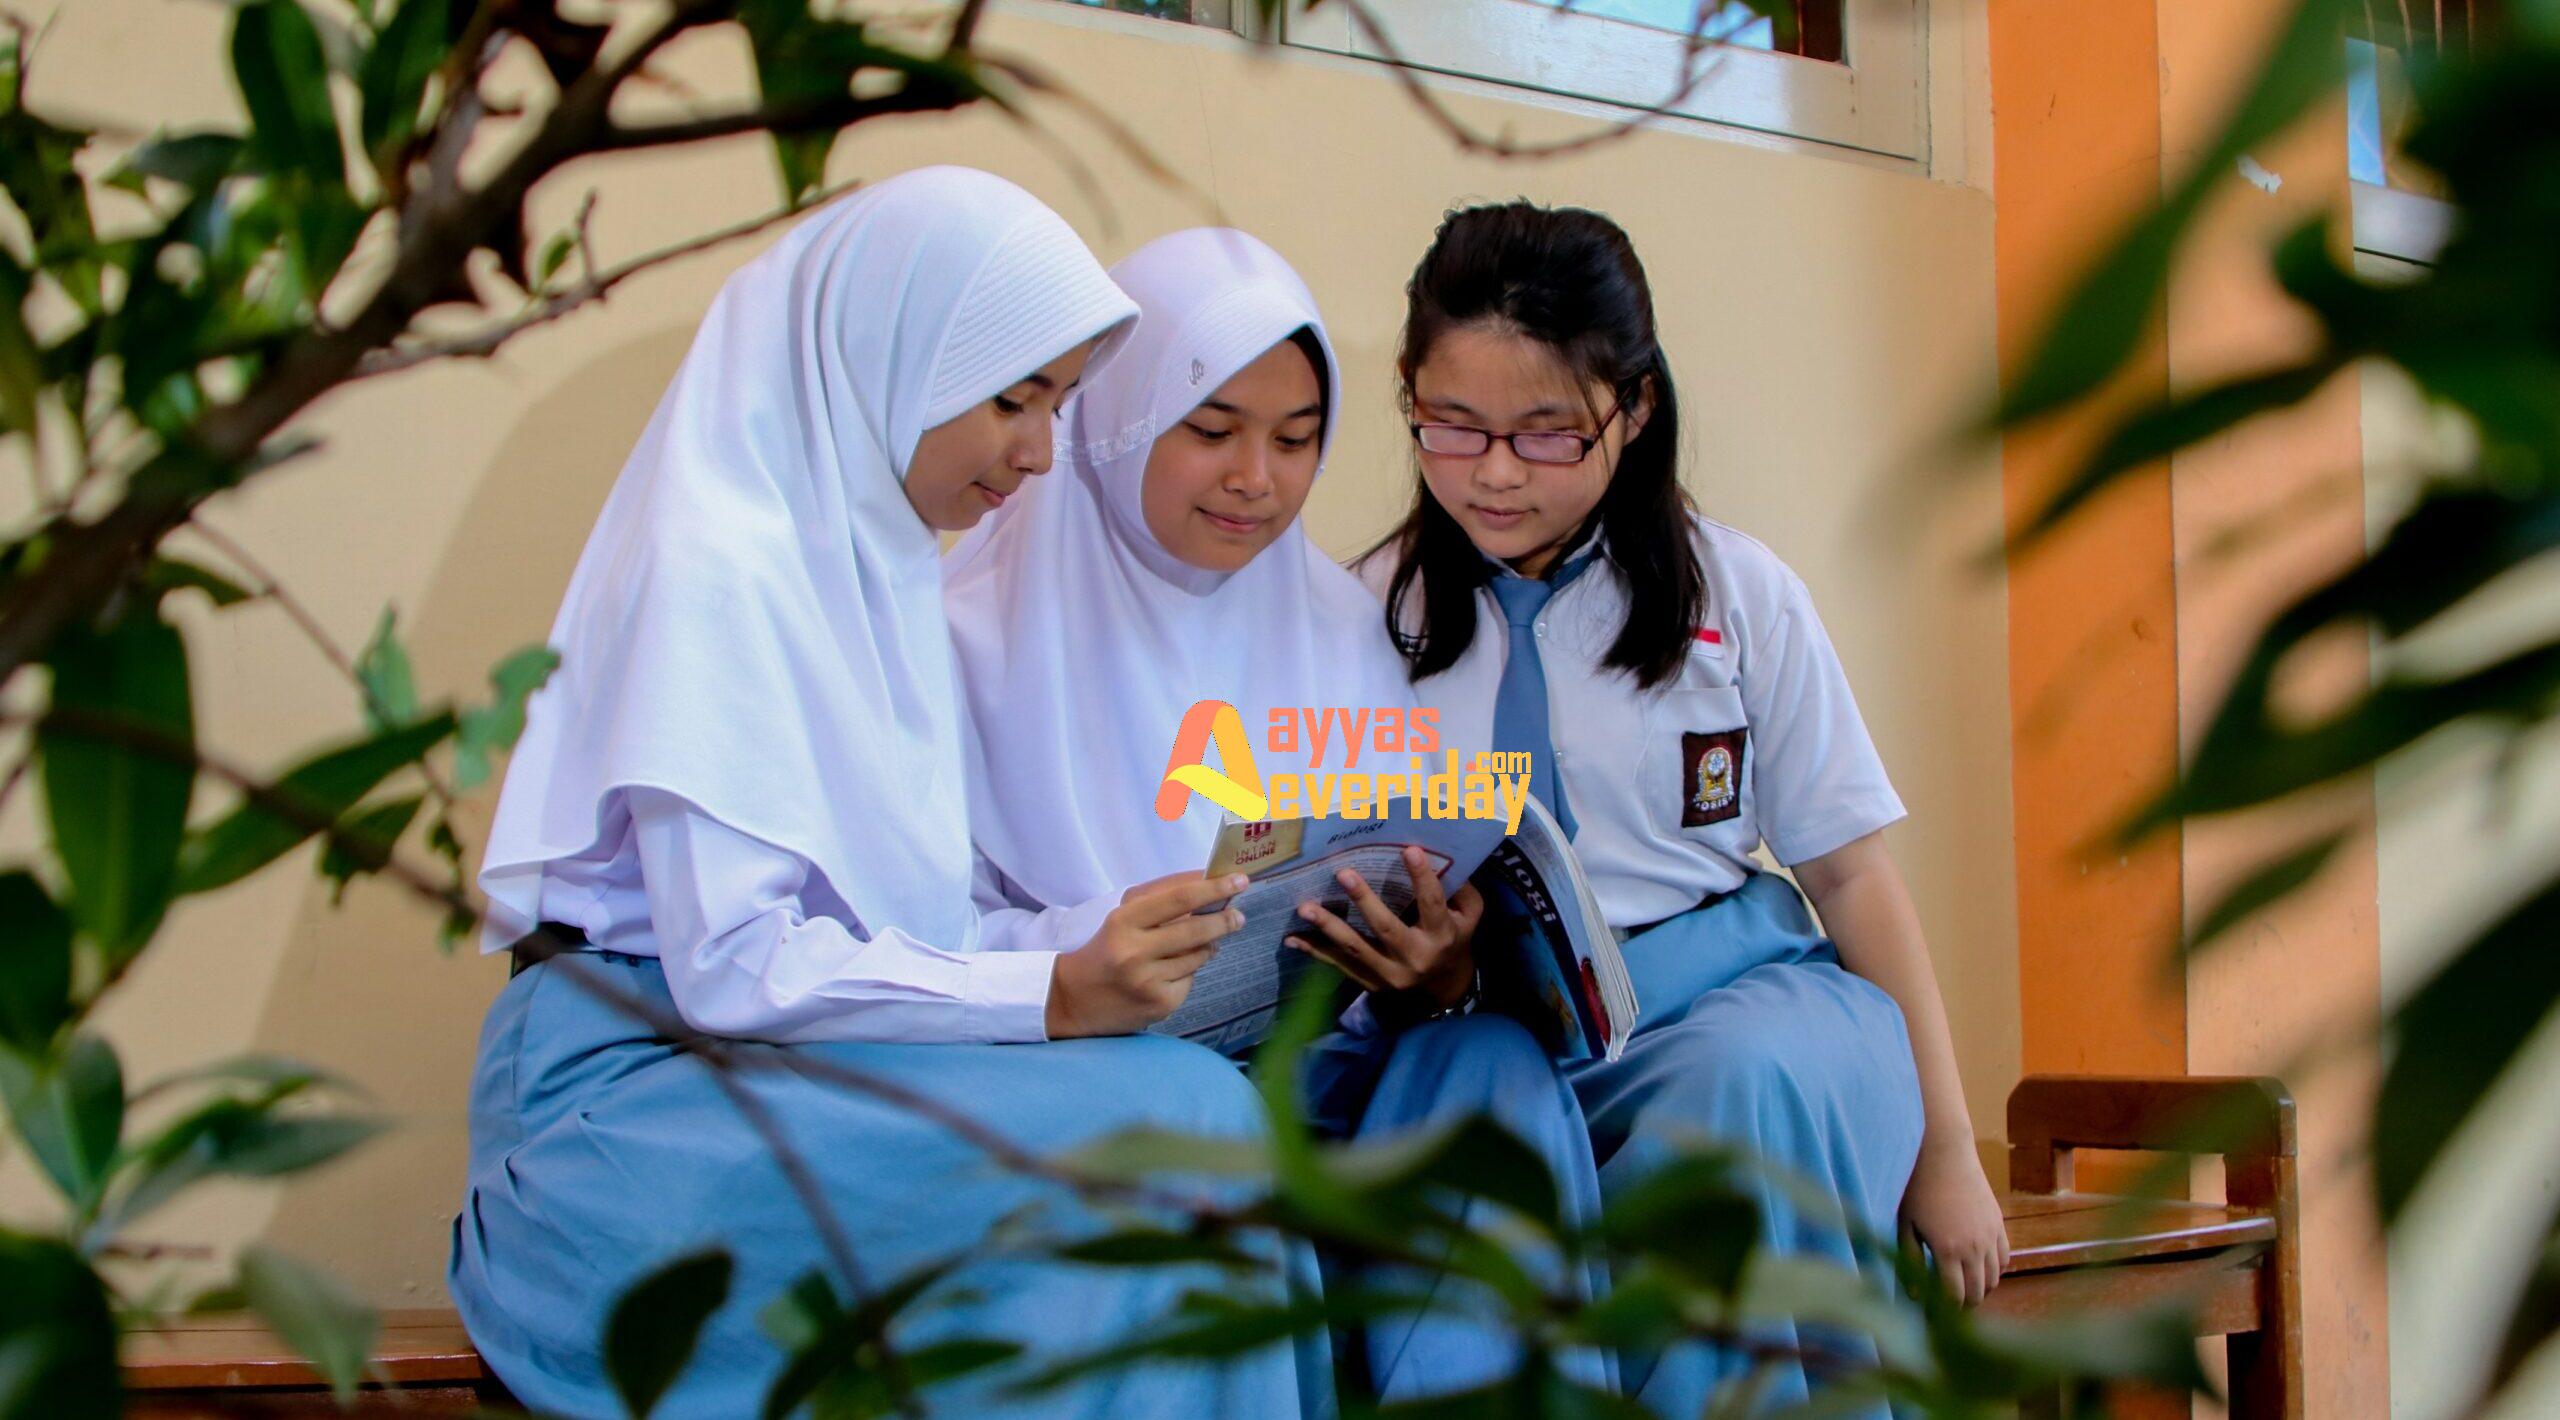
(1532, 446)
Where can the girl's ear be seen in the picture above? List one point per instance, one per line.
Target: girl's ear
(1641, 411)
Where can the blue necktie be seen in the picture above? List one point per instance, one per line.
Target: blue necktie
(1520, 704)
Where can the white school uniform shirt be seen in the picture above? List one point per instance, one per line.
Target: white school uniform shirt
(1673, 789)
(749, 763)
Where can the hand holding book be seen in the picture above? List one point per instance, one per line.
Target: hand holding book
(1431, 956)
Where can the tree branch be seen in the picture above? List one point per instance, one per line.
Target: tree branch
(917, 95)
(1473, 140)
(265, 586)
(964, 28)
(439, 228)
(483, 343)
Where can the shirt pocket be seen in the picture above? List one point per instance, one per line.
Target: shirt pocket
(1694, 774)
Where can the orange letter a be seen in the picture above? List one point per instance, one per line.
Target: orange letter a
(1238, 790)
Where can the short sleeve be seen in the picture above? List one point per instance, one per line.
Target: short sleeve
(1817, 780)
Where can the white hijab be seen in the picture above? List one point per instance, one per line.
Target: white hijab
(1082, 640)
(756, 623)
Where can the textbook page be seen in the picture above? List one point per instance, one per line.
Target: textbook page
(1237, 994)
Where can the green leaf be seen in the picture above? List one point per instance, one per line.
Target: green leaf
(35, 965)
(866, 1392)
(57, 1334)
(195, 161)
(315, 793)
(393, 78)
(1157, 1247)
(238, 1138)
(69, 1108)
(2535, 1319)
(803, 59)
(836, 1352)
(271, 1072)
(1473, 1157)
(390, 687)
(119, 766)
(1813, 1292)
(163, 575)
(555, 254)
(241, 1135)
(2105, 316)
(21, 365)
(2151, 434)
(494, 728)
(313, 1313)
(655, 1324)
(283, 74)
(1132, 1155)
(2267, 884)
(2154, 1344)
(364, 842)
(1216, 1327)
(2245, 758)
(1692, 1216)
(40, 171)
(2455, 1036)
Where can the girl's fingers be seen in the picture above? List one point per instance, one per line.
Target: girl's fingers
(1467, 908)
(1339, 933)
(1140, 890)
(1162, 901)
(1431, 905)
(1383, 922)
(1184, 965)
(1187, 935)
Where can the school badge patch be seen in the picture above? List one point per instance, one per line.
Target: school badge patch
(1711, 777)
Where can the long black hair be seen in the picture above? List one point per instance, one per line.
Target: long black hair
(1569, 279)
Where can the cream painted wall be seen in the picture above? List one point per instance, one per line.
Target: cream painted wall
(1825, 316)
(2460, 835)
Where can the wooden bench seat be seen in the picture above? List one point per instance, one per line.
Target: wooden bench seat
(233, 1366)
(2237, 1263)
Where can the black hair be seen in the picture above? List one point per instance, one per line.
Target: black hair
(1567, 278)
(1309, 345)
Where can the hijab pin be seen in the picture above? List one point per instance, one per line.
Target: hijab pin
(1199, 372)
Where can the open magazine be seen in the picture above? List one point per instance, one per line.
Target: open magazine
(1545, 954)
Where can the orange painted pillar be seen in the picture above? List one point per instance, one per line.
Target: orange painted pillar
(2093, 686)
(2125, 630)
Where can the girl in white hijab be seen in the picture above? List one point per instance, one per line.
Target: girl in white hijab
(1165, 564)
(739, 808)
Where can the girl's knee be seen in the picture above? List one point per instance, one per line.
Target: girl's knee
(1175, 1084)
(1494, 1052)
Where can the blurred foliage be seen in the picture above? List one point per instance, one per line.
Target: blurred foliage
(2477, 332)
(169, 307)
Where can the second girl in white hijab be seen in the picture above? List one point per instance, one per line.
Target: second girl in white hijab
(1165, 564)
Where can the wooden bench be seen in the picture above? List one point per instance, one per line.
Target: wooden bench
(231, 1366)
(2237, 1262)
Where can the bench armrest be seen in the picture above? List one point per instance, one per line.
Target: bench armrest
(2242, 1118)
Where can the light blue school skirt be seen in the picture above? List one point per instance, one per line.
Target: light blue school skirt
(1371, 1089)
(600, 1151)
(1752, 1034)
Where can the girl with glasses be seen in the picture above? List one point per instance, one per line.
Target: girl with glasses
(1554, 592)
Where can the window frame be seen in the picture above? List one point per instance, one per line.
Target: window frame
(1874, 102)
